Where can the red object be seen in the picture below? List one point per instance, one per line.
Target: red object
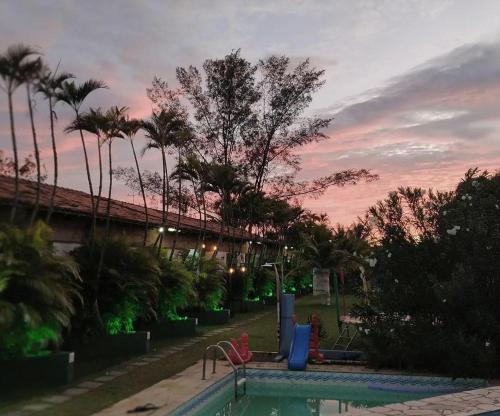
(314, 342)
(242, 349)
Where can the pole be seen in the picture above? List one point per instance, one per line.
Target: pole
(337, 303)
(278, 300)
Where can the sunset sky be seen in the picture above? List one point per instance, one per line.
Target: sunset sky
(413, 86)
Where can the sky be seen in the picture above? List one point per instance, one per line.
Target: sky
(413, 85)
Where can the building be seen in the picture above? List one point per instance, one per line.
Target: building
(72, 216)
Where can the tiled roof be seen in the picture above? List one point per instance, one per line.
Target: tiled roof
(73, 202)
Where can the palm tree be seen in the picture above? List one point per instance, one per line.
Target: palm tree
(182, 138)
(92, 122)
(74, 96)
(49, 85)
(162, 131)
(130, 127)
(106, 126)
(11, 63)
(30, 72)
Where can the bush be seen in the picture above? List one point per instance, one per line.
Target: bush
(37, 291)
(436, 283)
(176, 290)
(263, 283)
(126, 291)
(209, 285)
(238, 286)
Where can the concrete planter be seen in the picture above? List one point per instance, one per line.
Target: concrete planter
(52, 370)
(119, 344)
(173, 329)
(252, 305)
(213, 317)
(269, 300)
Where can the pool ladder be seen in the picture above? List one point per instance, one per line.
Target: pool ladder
(219, 347)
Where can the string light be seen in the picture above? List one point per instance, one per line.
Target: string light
(243, 269)
(214, 248)
(231, 270)
(203, 245)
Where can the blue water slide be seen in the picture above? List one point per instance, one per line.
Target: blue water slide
(299, 349)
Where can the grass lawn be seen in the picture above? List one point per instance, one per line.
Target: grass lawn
(262, 335)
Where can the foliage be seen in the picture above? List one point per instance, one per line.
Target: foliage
(210, 287)
(127, 288)
(26, 171)
(436, 282)
(177, 288)
(37, 290)
(239, 286)
(263, 282)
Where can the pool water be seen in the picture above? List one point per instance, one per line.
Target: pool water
(284, 393)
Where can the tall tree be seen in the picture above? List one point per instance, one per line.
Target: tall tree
(252, 117)
(92, 121)
(130, 127)
(74, 96)
(50, 84)
(30, 72)
(162, 131)
(11, 63)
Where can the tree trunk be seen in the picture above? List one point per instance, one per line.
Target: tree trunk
(37, 155)
(56, 168)
(174, 243)
(141, 184)
(106, 235)
(16, 159)
(99, 191)
(89, 180)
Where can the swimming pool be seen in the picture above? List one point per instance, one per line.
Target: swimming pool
(298, 393)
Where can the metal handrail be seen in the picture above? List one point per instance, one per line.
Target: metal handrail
(237, 355)
(217, 347)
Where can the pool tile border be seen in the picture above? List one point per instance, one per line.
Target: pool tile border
(439, 385)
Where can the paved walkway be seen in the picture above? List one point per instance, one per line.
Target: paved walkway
(466, 403)
(80, 388)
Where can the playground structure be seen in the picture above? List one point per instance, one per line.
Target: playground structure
(300, 343)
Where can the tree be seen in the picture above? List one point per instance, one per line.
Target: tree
(30, 72)
(11, 64)
(251, 117)
(50, 84)
(92, 122)
(27, 170)
(130, 127)
(162, 132)
(181, 141)
(74, 96)
(223, 109)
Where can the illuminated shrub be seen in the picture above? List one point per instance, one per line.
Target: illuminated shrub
(37, 291)
(176, 289)
(209, 284)
(126, 290)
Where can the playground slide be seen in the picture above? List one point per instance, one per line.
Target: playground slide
(299, 349)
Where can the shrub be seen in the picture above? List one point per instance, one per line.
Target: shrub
(263, 283)
(37, 291)
(238, 286)
(127, 289)
(436, 282)
(177, 288)
(209, 285)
